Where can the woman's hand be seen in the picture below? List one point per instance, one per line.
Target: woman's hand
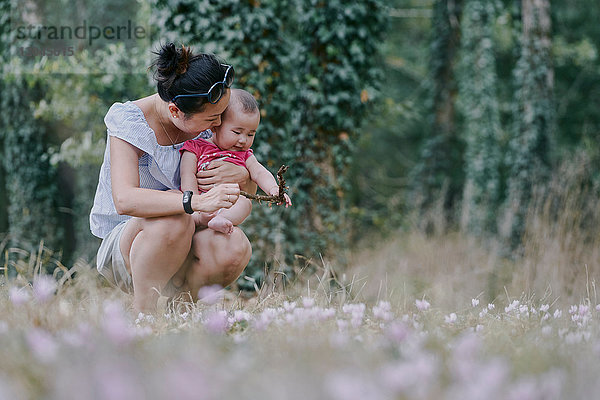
(220, 196)
(221, 171)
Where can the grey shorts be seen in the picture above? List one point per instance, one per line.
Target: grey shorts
(110, 261)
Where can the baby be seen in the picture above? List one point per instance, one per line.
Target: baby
(231, 141)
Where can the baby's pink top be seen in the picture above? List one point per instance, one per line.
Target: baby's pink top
(206, 152)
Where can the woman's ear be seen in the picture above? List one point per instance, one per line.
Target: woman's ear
(175, 111)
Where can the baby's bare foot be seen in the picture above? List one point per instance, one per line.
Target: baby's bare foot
(221, 224)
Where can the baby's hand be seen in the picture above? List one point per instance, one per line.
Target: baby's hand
(288, 201)
(275, 192)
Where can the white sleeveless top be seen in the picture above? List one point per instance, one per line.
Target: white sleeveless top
(158, 166)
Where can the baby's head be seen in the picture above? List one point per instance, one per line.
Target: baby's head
(238, 123)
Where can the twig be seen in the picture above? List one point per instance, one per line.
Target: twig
(269, 198)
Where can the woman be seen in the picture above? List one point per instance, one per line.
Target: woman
(154, 237)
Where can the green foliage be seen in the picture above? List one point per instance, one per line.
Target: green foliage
(529, 148)
(478, 99)
(29, 178)
(312, 67)
(438, 177)
(4, 29)
(58, 105)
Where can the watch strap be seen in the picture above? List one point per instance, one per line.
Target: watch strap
(187, 201)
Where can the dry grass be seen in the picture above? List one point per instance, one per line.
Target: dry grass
(409, 320)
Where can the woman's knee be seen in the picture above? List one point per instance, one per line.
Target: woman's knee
(171, 228)
(219, 258)
(238, 250)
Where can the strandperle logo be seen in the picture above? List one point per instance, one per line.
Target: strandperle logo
(55, 36)
(85, 31)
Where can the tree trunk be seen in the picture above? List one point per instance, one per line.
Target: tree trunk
(528, 156)
(438, 177)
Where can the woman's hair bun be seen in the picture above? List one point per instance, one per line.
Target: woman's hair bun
(177, 70)
(171, 62)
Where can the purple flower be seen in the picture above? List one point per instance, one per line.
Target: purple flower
(512, 306)
(217, 322)
(42, 345)
(450, 319)
(352, 386)
(116, 325)
(186, 382)
(397, 332)
(308, 302)
(289, 307)
(382, 311)
(422, 305)
(119, 382)
(413, 377)
(211, 294)
(18, 296)
(44, 287)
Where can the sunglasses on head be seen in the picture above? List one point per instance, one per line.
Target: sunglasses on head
(217, 90)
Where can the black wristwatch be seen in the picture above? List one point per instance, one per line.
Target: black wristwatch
(187, 201)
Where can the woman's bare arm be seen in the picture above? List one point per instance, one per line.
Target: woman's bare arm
(132, 200)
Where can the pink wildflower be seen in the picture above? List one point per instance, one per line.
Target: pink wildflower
(210, 294)
(217, 322)
(397, 332)
(352, 386)
(450, 319)
(18, 296)
(289, 307)
(44, 287)
(116, 325)
(512, 306)
(382, 311)
(308, 302)
(422, 305)
(124, 384)
(42, 345)
(186, 382)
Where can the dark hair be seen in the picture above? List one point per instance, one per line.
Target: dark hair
(179, 71)
(246, 101)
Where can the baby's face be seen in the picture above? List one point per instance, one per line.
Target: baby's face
(237, 130)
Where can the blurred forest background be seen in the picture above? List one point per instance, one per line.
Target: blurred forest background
(474, 117)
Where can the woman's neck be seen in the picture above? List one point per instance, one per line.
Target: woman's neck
(168, 131)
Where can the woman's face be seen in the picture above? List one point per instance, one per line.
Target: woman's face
(198, 122)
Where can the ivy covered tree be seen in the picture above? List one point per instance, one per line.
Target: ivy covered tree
(479, 106)
(438, 178)
(312, 65)
(29, 179)
(4, 30)
(528, 154)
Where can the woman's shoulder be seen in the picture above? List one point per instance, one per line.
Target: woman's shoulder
(122, 113)
(127, 121)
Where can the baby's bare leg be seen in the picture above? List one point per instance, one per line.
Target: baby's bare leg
(227, 218)
(221, 224)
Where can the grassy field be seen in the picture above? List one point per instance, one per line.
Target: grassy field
(413, 318)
